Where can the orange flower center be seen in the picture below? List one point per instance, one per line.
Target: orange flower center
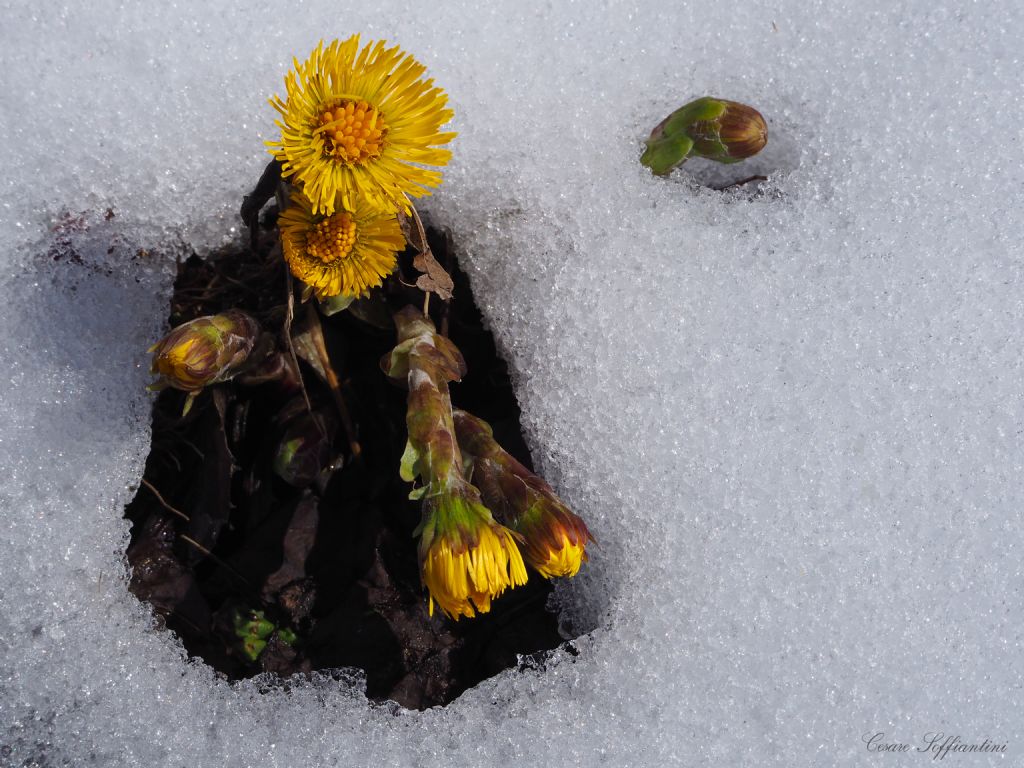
(332, 239)
(353, 131)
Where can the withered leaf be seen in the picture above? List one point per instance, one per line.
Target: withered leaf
(412, 229)
(435, 279)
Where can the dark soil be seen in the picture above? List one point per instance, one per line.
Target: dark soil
(258, 575)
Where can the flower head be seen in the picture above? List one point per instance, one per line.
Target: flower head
(554, 539)
(466, 558)
(718, 129)
(361, 122)
(345, 252)
(204, 351)
(733, 134)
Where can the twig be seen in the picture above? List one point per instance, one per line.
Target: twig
(193, 446)
(171, 613)
(189, 540)
(222, 563)
(244, 286)
(163, 502)
(281, 194)
(252, 203)
(421, 231)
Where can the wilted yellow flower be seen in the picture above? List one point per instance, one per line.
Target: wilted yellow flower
(361, 123)
(466, 557)
(346, 252)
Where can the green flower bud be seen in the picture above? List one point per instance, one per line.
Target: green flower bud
(717, 129)
(204, 351)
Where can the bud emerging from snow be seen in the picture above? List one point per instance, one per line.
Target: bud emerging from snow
(738, 132)
(718, 129)
(554, 539)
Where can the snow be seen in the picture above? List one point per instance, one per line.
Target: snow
(794, 422)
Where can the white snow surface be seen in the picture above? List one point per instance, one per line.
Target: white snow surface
(794, 422)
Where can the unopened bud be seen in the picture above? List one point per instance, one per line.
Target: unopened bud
(737, 133)
(717, 129)
(204, 351)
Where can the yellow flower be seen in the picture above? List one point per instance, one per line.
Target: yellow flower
(467, 558)
(346, 252)
(556, 542)
(554, 539)
(361, 123)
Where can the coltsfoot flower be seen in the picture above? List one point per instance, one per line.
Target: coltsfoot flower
(205, 351)
(347, 252)
(554, 539)
(718, 129)
(361, 122)
(466, 557)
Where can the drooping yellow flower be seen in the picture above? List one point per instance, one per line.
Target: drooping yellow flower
(467, 558)
(361, 122)
(555, 542)
(345, 252)
(554, 539)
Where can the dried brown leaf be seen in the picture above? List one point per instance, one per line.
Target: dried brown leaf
(435, 279)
